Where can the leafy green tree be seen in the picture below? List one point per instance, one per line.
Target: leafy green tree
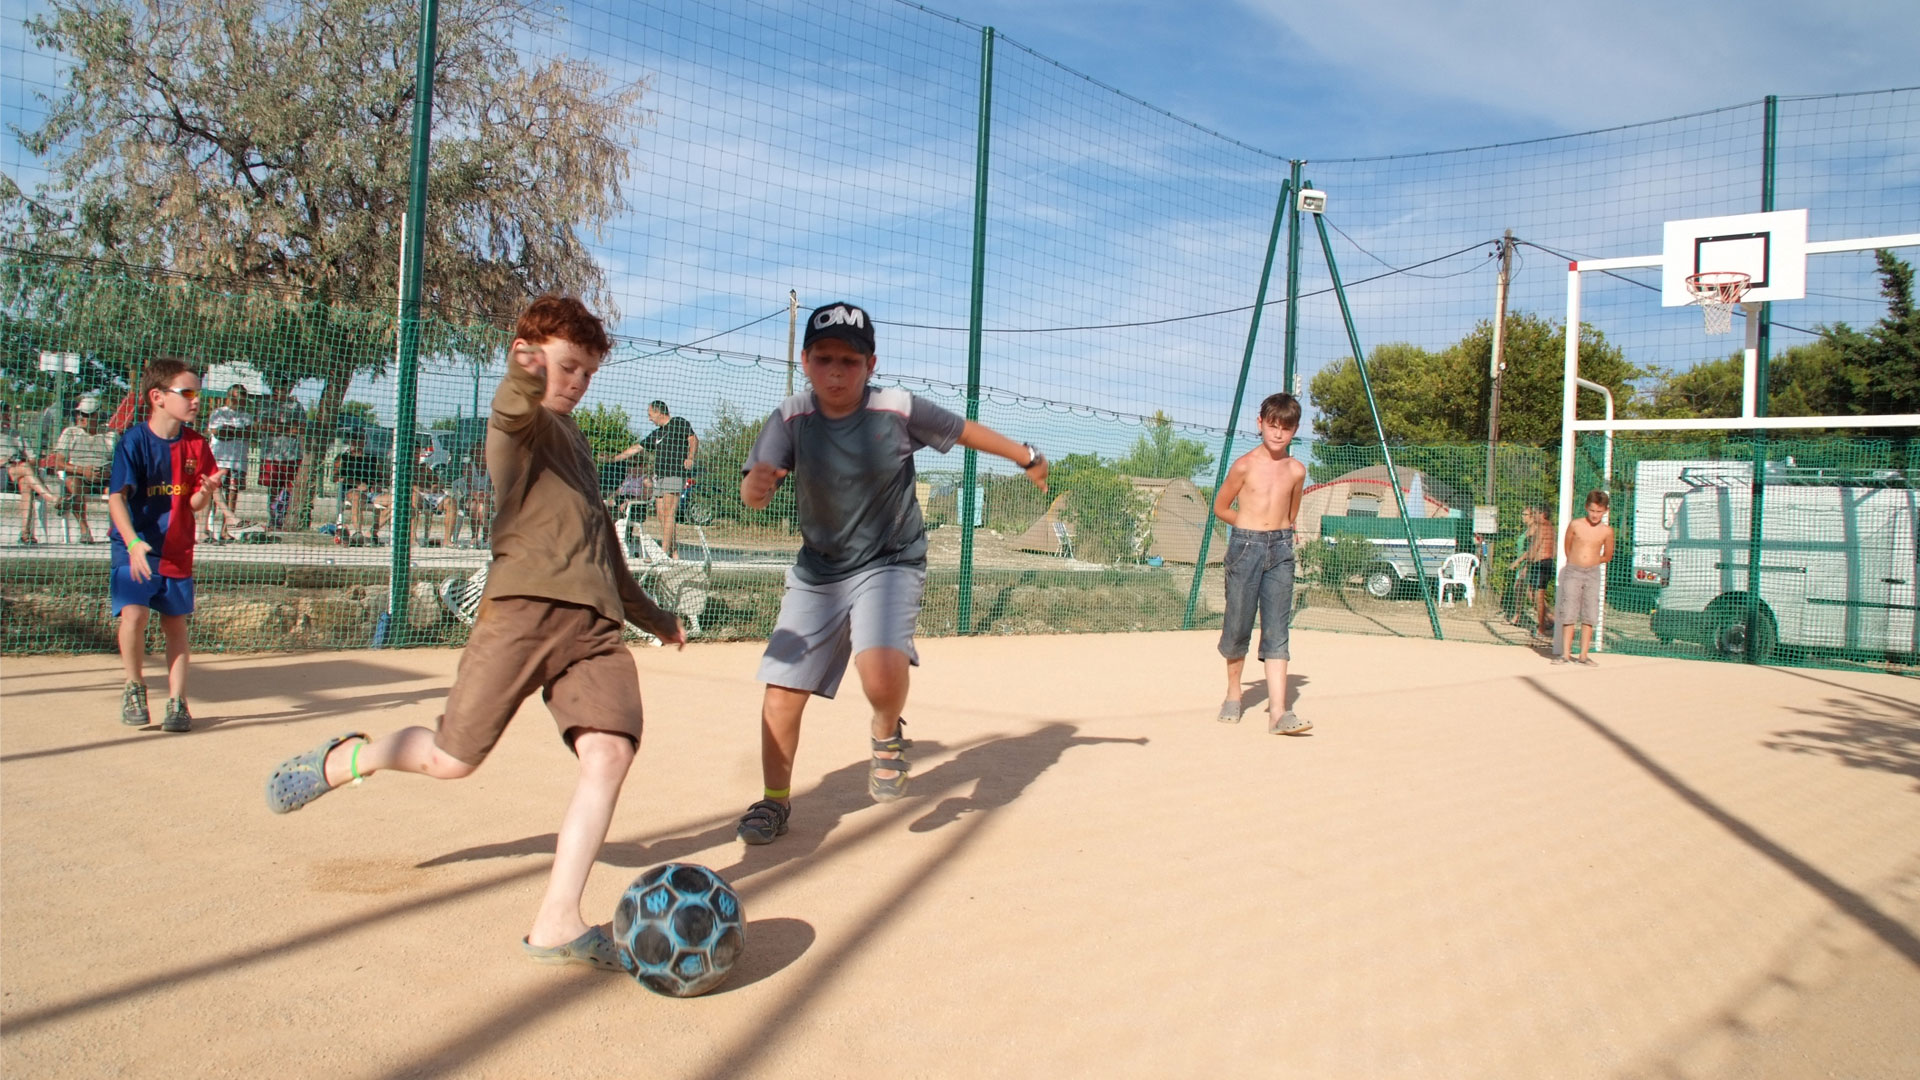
(1160, 452)
(723, 449)
(1107, 515)
(1442, 397)
(255, 143)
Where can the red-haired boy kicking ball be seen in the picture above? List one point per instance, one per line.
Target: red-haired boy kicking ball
(557, 593)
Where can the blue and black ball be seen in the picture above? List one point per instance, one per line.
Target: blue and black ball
(679, 929)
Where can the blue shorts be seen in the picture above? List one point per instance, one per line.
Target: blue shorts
(165, 595)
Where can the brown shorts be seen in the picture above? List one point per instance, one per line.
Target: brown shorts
(572, 654)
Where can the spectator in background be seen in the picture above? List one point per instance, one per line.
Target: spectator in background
(430, 496)
(283, 424)
(231, 428)
(363, 480)
(473, 491)
(21, 472)
(674, 447)
(84, 454)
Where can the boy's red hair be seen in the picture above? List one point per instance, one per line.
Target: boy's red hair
(566, 319)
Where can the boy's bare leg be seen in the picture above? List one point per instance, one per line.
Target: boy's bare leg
(133, 642)
(885, 675)
(604, 760)
(174, 627)
(410, 749)
(1586, 639)
(780, 713)
(1234, 668)
(1276, 687)
(1566, 644)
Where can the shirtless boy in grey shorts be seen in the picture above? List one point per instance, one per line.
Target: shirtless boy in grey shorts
(854, 592)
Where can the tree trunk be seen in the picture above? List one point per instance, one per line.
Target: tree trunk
(314, 443)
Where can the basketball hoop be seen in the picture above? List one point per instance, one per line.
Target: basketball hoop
(1717, 291)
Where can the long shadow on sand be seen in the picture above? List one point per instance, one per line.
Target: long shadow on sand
(999, 770)
(1855, 906)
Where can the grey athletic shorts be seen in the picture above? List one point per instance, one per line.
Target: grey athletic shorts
(1579, 600)
(821, 627)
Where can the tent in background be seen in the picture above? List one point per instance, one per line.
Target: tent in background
(1176, 516)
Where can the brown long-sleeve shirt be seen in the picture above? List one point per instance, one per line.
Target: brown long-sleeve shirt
(552, 535)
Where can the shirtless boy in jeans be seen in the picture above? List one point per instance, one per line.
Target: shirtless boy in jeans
(1589, 549)
(1266, 483)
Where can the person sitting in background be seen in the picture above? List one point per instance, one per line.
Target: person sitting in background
(363, 479)
(231, 427)
(473, 492)
(430, 496)
(21, 472)
(85, 454)
(283, 423)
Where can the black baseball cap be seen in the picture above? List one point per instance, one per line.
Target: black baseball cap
(840, 320)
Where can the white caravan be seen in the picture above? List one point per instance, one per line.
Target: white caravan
(1837, 571)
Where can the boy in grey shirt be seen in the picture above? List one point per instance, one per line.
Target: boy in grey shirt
(854, 592)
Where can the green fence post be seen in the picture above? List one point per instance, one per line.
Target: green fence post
(1289, 367)
(1393, 475)
(408, 355)
(1239, 394)
(1757, 504)
(969, 459)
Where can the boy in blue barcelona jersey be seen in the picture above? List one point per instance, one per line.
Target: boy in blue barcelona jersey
(854, 592)
(163, 474)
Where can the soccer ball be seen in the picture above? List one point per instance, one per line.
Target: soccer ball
(679, 928)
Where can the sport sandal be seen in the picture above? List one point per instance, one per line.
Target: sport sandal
(763, 821)
(891, 788)
(133, 705)
(303, 778)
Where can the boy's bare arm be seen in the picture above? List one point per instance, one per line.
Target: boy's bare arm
(1606, 543)
(978, 436)
(1229, 491)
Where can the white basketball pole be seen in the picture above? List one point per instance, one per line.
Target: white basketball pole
(1746, 421)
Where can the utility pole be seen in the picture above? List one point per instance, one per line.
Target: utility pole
(1497, 368)
(1499, 363)
(793, 316)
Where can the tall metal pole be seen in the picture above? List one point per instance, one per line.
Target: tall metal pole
(1393, 475)
(1756, 520)
(793, 322)
(1239, 395)
(970, 460)
(1289, 372)
(408, 358)
(1498, 365)
(1496, 368)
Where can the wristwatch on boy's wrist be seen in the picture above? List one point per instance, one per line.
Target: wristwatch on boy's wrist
(1033, 456)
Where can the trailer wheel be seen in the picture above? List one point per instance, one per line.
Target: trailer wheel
(1380, 581)
(1737, 636)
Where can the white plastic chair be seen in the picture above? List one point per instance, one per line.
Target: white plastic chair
(1459, 569)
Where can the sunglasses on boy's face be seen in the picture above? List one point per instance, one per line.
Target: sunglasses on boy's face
(189, 394)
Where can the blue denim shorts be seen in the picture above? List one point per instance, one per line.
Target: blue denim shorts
(1259, 578)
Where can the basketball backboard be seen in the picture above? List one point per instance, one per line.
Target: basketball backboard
(1770, 248)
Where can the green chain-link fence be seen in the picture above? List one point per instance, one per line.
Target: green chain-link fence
(722, 164)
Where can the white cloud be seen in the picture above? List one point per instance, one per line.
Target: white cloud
(1594, 64)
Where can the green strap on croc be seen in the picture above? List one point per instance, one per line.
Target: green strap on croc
(303, 778)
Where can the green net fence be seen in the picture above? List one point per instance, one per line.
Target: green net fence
(700, 171)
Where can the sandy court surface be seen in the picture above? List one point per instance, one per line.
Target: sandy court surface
(1477, 865)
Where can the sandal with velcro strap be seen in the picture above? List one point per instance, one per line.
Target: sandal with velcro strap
(763, 821)
(893, 787)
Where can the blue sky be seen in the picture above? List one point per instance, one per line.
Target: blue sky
(1362, 77)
